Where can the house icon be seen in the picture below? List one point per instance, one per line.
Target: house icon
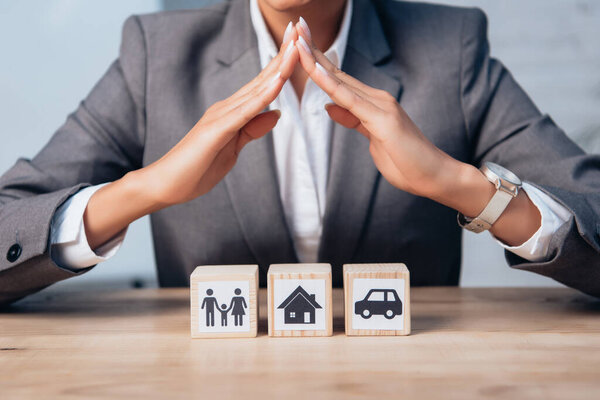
(299, 307)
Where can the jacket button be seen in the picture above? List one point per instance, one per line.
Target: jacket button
(13, 253)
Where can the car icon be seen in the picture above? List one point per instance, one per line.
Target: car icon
(384, 302)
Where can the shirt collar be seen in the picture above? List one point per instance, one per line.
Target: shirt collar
(267, 48)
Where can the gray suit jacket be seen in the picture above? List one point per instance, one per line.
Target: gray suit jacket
(173, 65)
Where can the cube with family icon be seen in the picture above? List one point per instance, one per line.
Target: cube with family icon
(377, 299)
(224, 301)
(299, 300)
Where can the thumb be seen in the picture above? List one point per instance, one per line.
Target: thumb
(257, 127)
(346, 118)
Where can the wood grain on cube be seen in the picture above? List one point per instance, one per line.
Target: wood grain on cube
(219, 273)
(299, 271)
(375, 271)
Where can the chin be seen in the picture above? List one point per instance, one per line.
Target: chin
(285, 5)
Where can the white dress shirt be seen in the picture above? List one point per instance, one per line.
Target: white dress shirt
(302, 139)
(301, 142)
(70, 248)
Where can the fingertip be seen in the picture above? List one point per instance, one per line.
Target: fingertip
(294, 35)
(262, 123)
(288, 50)
(333, 110)
(306, 57)
(304, 27)
(274, 86)
(275, 79)
(269, 119)
(270, 122)
(320, 69)
(276, 119)
(303, 45)
(287, 66)
(288, 32)
(305, 38)
(330, 111)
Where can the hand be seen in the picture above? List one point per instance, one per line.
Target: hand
(199, 161)
(403, 155)
(210, 149)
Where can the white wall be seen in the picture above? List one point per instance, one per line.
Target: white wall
(53, 51)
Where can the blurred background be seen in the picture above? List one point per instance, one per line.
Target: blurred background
(54, 51)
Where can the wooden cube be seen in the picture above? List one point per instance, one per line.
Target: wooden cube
(224, 301)
(377, 299)
(299, 300)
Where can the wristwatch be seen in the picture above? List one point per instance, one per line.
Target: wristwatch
(507, 187)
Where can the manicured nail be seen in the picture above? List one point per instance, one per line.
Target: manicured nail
(288, 32)
(303, 44)
(304, 26)
(321, 69)
(276, 77)
(289, 49)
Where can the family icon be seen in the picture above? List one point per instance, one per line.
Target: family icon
(237, 306)
(224, 301)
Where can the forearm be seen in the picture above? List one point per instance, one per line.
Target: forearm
(116, 205)
(464, 188)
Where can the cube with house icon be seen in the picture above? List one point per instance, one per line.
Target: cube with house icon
(224, 301)
(299, 300)
(377, 299)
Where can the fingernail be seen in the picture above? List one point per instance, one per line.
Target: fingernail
(288, 50)
(321, 69)
(288, 32)
(304, 26)
(328, 105)
(278, 112)
(276, 77)
(303, 44)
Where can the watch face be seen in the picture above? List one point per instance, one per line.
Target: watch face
(503, 173)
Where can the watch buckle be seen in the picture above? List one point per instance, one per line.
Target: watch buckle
(512, 189)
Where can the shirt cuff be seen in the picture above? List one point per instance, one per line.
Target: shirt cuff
(69, 246)
(554, 215)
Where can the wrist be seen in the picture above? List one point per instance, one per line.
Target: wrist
(113, 207)
(141, 188)
(464, 188)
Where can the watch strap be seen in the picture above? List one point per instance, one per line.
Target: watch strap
(490, 213)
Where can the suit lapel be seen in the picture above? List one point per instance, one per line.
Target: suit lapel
(353, 176)
(252, 183)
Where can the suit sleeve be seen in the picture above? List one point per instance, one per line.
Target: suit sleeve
(505, 127)
(99, 142)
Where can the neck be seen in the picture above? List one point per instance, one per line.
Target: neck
(323, 17)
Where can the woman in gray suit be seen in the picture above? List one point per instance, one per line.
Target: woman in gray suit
(179, 128)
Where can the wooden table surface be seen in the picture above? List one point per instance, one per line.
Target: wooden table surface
(466, 343)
